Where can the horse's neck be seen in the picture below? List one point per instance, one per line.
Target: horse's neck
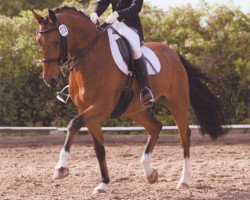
(96, 60)
(83, 33)
(97, 69)
(97, 66)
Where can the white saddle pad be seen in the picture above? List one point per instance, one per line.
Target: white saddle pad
(148, 53)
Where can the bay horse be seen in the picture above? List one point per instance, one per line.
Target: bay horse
(95, 84)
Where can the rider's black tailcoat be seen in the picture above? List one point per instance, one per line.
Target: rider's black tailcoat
(128, 11)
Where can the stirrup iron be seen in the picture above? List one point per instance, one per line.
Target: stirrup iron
(61, 96)
(150, 98)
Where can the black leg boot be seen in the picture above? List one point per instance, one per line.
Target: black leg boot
(141, 71)
(63, 96)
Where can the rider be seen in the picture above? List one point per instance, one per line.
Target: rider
(125, 19)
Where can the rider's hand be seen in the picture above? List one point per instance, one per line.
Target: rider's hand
(112, 18)
(94, 18)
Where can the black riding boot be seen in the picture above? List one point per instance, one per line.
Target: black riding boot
(141, 71)
(63, 96)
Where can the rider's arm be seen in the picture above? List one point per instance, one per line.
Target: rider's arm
(131, 11)
(100, 6)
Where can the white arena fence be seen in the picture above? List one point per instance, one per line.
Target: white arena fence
(113, 129)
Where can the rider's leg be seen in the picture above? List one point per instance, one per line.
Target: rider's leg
(63, 96)
(141, 71)
(139, 61)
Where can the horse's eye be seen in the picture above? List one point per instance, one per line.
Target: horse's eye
(56, 43)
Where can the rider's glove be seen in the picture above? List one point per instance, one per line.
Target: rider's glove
(112, 18)
(94, 18)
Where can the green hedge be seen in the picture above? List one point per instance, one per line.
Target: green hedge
(217, 38)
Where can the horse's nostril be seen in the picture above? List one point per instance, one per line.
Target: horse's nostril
(53, 82)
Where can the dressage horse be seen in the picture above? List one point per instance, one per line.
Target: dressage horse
(67, 36)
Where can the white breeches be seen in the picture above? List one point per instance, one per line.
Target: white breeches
(131, 36)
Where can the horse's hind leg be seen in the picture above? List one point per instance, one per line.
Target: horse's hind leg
(179, 109)
(153, 127)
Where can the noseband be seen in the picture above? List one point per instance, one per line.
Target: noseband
(63, 59)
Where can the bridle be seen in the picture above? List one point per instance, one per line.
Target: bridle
(63, 58)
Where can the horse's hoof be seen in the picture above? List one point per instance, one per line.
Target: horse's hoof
(182, 185)
(98, 191)
(101, 188)
(153, 177)
(60, 173)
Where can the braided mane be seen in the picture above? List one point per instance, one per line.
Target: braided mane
(69, 9)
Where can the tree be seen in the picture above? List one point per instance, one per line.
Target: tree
(14, 7)
(217, 39)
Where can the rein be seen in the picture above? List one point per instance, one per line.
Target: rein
(63, 59)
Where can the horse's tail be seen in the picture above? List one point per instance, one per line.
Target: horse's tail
(205, 105)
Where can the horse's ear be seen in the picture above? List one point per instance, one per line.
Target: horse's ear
(52, 17)
(38, 17)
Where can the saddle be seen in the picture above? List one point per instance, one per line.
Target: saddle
(125, 49)
(119, 53)
(127, 93)
(122, 54)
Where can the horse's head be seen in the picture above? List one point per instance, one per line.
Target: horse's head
(50, 40)
(58, 43)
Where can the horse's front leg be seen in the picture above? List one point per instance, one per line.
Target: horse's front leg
(96, 132)
(62, 169)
